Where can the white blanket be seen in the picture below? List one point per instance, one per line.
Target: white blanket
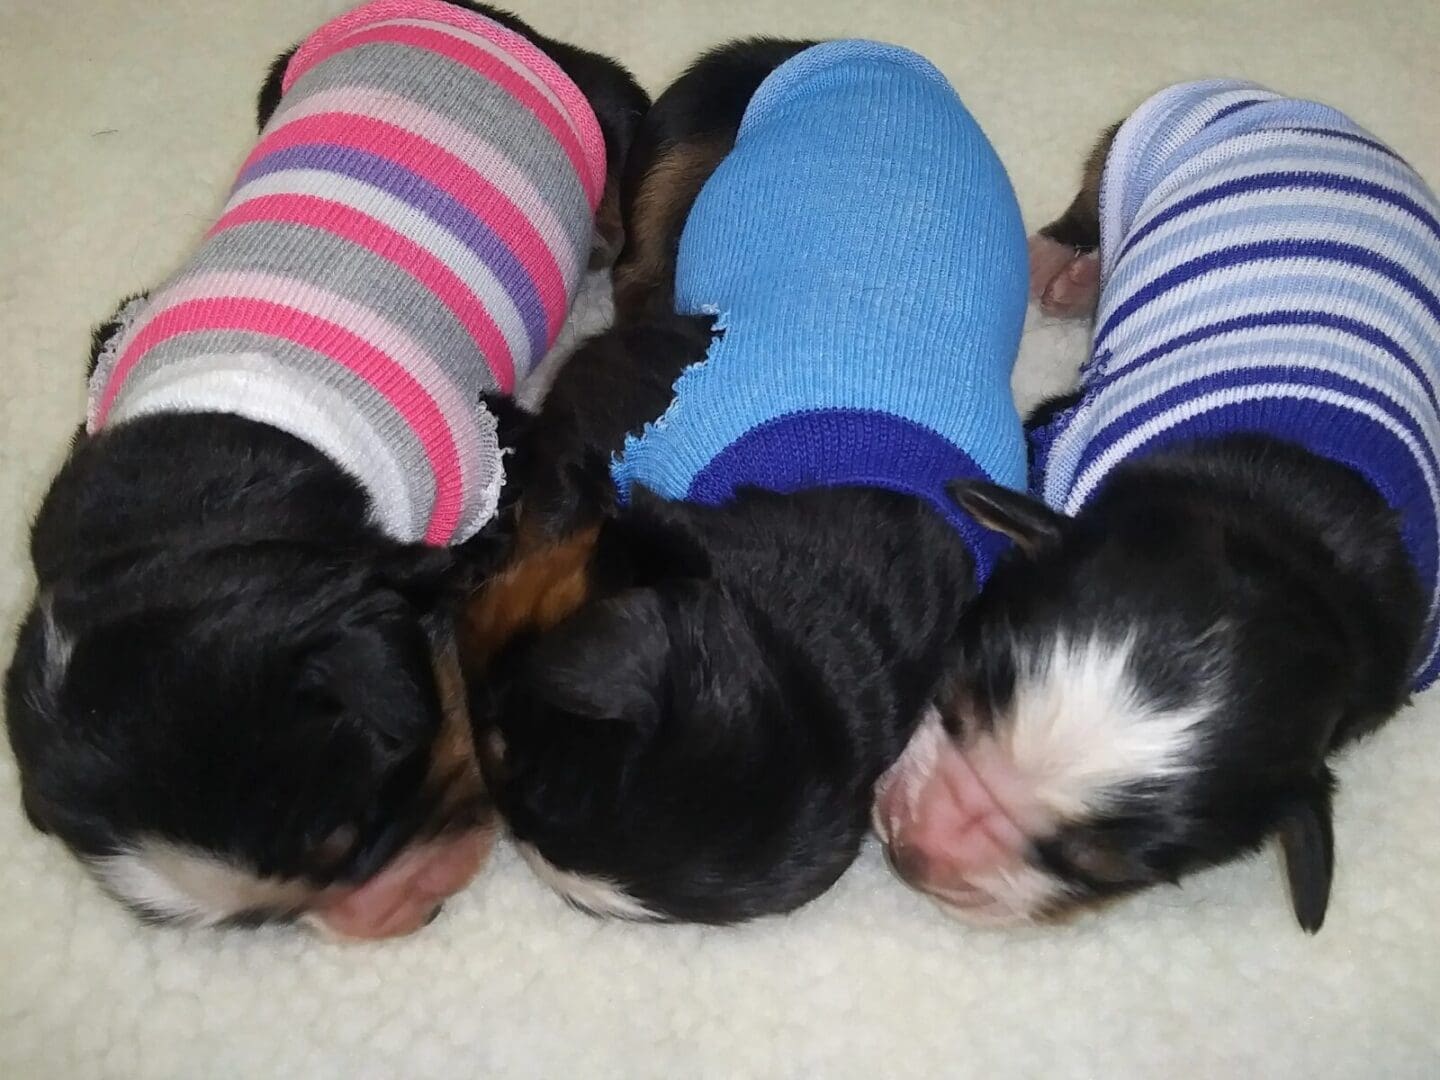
(121, 121)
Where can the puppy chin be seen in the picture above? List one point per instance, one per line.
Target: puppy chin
(1024, 896)
(407, 893)
(169, 883)
(594, 895)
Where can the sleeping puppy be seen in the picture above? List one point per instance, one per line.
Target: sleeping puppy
(236, 697)
(770, 604)
(1230, 573)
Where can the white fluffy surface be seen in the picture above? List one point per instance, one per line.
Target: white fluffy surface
(121, 124)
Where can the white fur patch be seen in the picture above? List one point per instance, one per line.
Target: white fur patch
(59, 647)
(1080, 728)
(910, 773)
(197, 888)
(592, 894)
(1006, 896)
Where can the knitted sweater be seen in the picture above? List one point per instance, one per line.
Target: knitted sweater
(407, 234)
(864, 251)
(1268, 267)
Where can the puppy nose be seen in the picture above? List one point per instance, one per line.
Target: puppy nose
(910, 863)
(407, 893)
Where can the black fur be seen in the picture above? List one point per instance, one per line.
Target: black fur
(610, 386)
(706, 734)
(1247, 565)
(707, 737)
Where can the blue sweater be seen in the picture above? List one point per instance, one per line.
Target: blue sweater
(1268, 267)
(864, 252)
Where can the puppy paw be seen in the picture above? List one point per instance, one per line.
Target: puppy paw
(1065, 282)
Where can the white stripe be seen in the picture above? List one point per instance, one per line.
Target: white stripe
(1203, 173)
(412, 224)
(481, 155)
(593, 894)
(1234, 224)
(1139, 129)
(197, 888)
(250, 385)
(1161, 320)
(454, 398)
(498, 53)
(1304, 352)
(1266, 151)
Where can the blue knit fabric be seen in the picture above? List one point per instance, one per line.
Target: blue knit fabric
(1267, 267)
(864, 251)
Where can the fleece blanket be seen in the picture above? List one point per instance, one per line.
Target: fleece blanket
(121, 123)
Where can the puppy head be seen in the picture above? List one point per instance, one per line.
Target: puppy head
(645, 757)
(1141, 692)
(252, 733)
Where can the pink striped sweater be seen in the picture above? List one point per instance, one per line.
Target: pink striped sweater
(406, 236)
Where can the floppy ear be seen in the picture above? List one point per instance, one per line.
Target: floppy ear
(606, 663)
(1308, 842)
(1030, 523)
(424, 576)
(656, 540)
(375, 672)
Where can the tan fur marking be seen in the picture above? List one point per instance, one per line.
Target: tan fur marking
(545, 584)
(645, 273)
(454, 773)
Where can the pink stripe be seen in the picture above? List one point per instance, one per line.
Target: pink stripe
(311, 332)
(484, 156)
(439, 167)
(436, 41)
(379, 238)
(524, 51)
(454, 397)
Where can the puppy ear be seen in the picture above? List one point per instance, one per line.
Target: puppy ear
(376, 673)
(656, 541)
(423, 575)
(608, 662)
(1308, 842)
(1030, 523)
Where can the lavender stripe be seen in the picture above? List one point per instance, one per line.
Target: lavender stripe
(1350, 254)
(1122, 423)
(1363, 331)
(435, 204)
(1283, 180)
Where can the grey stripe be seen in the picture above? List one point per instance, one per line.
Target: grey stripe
(306, 369)
(468, 100)
(331, 263)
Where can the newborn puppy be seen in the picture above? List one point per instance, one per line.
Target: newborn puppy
(785, 574)
(236, 696)
(1231, 571)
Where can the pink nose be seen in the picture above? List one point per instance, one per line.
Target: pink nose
(407, 893)
(947, 816)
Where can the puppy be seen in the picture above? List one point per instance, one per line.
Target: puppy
(236, 697)
(1230, 573)
(783, 574)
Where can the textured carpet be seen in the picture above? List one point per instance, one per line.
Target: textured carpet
(121, 123)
